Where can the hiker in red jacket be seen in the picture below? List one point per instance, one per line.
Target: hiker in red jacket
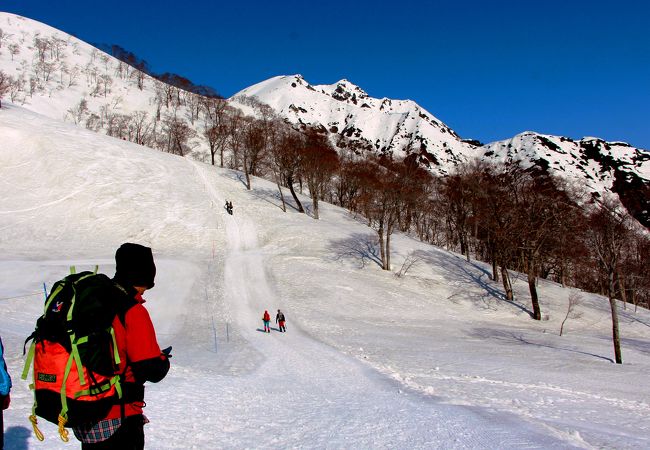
(142, 359)
(266, 318)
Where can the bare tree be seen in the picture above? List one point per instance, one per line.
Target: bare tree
(236, 124)
(216, 126)
(495, 218)
(79, 111)
(42, 46)
(5, 85)
(285, 158)
(385, 192)
(319, 163)
(16, 88)
(458, 190)
(178, 135)
(607, 234)
(14, 49)
(575, 300)
(140, 128)
(411, 260)
(3, 37)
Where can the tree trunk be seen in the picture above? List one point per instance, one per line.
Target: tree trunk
(248, 178)
(493, 257)
(387, 267)
(507, 286)
(382, 247)
(284, 206)
(612, 303)
(293, 194)
(314, 201)
(537, 314)
(621, 287)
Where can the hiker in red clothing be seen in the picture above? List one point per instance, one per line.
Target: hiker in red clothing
(267, 321)
(141, 357)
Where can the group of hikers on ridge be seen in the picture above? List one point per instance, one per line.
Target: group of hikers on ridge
(279, 319)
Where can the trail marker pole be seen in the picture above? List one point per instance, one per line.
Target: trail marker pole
(214, 332)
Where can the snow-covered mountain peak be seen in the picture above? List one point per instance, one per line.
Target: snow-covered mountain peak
(344, 91)
(363, 123)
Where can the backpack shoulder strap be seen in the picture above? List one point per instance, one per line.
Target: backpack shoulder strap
(125, 302)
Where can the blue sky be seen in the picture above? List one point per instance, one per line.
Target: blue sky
(488, 69)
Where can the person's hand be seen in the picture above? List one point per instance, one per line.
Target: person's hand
(5, 401)
(167, 352)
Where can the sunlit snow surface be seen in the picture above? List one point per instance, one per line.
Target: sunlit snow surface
(435, 359)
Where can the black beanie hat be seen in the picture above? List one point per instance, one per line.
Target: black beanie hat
(135, 266)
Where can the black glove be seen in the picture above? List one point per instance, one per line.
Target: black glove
(167, 352)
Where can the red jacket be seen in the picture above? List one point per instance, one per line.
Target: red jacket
(140, 355)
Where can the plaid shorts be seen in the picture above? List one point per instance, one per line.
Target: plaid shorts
(93, 433)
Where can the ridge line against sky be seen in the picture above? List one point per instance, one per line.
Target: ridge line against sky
(489, 71)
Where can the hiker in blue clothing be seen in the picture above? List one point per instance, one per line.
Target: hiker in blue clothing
(5, 387)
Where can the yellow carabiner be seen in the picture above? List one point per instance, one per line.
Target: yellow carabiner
(37, 432)
(62, 431)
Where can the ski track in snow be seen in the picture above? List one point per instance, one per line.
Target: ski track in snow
(298, 379)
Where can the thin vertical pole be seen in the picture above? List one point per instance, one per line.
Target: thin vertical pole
(214, 332)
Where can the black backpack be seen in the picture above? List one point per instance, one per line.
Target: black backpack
(75, 358)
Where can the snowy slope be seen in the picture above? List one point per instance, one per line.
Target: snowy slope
(435, 359)
(59, 77)
(57, 72)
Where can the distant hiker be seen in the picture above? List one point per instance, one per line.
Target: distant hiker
(229, 207)
(266, 318)
(5, 388)
(279, 319)
(140, 355)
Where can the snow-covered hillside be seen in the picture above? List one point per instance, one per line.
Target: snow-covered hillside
(58, 70)
(434, 359)
(67, 79)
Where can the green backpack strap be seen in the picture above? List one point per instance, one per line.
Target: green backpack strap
(28, 363)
